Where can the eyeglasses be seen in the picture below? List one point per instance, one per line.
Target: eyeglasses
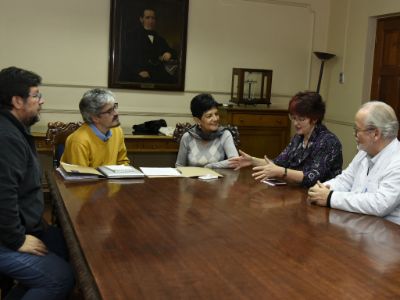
(38, 96)
(111, 110)
(297, 119)
(357, 130)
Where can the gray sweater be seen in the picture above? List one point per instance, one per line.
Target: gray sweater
(195, 151)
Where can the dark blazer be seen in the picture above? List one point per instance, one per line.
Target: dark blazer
(140, 54)
(21, 196)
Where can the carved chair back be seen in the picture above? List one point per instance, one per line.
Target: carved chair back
(56, 135)
(181, 128)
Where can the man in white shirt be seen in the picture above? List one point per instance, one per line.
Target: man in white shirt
(371, 183)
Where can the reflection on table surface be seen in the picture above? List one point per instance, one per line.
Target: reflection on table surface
(230, 238)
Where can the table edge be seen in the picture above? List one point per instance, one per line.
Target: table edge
(84, 276)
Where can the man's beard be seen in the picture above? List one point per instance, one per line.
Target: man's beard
(32, 120)
(364, 147)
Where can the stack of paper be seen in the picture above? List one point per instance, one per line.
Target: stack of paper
(120, 171)
(200, 172)
(76, 176)
(160, 172)
(75, 172)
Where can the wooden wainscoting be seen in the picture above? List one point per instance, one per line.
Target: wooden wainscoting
(134, 143)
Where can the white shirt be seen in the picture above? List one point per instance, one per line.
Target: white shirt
(374, 191)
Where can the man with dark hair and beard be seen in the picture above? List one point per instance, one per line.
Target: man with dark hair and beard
(100, 140)
(31, 251)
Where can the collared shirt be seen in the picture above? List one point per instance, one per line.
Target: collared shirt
(375, 191)
(371, 161)
(102, 136)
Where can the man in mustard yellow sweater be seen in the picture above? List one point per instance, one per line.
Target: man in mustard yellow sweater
(100, 140)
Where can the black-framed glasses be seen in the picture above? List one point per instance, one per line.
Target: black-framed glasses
(37, 96)
(357, 130)
(111, 110)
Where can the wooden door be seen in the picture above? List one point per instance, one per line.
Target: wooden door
(386, 73)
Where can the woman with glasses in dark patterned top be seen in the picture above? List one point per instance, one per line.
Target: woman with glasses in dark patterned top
(313, 154)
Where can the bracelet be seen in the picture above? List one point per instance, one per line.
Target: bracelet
(328, 201)
(285, 174)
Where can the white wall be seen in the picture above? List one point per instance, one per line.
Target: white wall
(351, 38)
(67, 43)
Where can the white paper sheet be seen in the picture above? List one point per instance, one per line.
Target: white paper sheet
(160, 172)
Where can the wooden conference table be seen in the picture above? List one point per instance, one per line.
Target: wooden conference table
(231, 238)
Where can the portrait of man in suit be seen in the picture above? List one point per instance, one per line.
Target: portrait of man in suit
(148, 45)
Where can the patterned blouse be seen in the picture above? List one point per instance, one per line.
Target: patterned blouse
(320, 160)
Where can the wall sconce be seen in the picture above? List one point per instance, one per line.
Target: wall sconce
(323, 56)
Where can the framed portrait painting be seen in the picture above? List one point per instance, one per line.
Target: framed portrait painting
(148, 44)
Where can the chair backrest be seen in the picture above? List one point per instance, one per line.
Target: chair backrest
(56, 135)
(181, 128)
(235, 134)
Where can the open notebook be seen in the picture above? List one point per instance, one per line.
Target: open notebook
(69, 172)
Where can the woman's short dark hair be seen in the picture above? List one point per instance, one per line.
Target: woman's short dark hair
(202, 103)
(309, 105)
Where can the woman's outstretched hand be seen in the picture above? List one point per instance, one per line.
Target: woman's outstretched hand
(238, 162)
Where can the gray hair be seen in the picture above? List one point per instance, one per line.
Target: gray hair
(93, 102)
(382, 116)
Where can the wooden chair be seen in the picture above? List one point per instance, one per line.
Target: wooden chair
(235, 134)
(56, 135)
(181, 128)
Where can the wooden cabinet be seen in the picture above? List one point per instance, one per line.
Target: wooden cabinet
(263, 130)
